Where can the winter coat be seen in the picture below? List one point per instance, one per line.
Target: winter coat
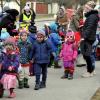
(55, 40)
(89, 32)
(74, 24)
(90, 26)
(7, 20)
(41, 51)
(32, 37)
(1, 51)
(9, 60)
(25, 49)
(68, 52)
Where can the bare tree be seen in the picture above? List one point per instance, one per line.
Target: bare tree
(18, 2)
(21, 3)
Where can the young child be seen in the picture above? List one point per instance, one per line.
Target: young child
(41, 57)
(9, 67)
(69, 54)
(32, 38)
(25, 49)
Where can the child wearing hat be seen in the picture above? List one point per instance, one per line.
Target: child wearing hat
(8, 70)
(41, 57)
(69, 54)
(25, 49)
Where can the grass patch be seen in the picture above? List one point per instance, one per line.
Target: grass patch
(96, 96)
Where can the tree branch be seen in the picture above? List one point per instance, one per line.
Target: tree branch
(17, 2)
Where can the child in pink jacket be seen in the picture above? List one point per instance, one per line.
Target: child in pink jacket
(69, 54)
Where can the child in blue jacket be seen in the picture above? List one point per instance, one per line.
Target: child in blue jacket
(41, 57)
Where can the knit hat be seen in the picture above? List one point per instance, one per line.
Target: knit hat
(41, 32)
(91, 4)
(70, 33)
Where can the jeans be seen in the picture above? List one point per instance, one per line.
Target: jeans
(90, 67)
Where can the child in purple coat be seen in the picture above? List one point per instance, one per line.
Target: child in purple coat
(69, 54)
(9, 68)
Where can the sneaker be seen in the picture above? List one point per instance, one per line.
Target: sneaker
(37, 87)
(12, 95)
(21, 84)
(94, 73)
(87, 74)
(70, 76)
(64, 77)
(26, 86)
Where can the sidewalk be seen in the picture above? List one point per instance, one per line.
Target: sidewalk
(62, 89)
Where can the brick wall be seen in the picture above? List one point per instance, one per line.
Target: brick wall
(41, 8)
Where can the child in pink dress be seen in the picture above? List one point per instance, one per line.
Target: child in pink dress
(69, 54)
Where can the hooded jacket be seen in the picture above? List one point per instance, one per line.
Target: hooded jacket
(90, 26)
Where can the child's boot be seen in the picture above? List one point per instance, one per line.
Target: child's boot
(37, 86)
(70, 76)
(12, 93)
(43, 84)
(56, 65)
(26, 83)
(21, 84)
(1, 90)
(65, 75)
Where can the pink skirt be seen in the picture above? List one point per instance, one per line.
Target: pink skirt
(8, 81)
